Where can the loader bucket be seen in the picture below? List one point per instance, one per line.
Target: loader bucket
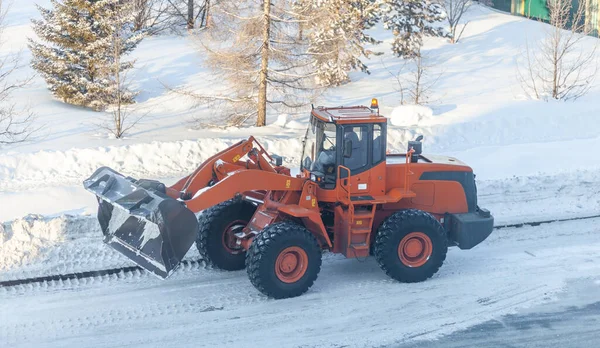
(141, 222)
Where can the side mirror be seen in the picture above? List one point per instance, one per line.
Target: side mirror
(348, 148)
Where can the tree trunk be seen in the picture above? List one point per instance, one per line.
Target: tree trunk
(207, 13)
(190, 14)
(117, 113)
(261, 119)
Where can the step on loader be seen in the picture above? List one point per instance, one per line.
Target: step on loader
(244, 209)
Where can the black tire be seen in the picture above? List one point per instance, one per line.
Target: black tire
(400, 225)
(262, 256)
(213, 223)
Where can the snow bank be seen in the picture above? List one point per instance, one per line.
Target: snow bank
(27, 240)
(36, 246)
(155, 159)
(411, 115)
(536, 127)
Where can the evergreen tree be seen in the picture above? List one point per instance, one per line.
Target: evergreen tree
(77, 57)
(337, 37)
(410, 20)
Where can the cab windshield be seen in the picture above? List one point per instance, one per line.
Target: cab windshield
(319, 147)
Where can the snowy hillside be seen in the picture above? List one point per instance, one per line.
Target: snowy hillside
(479, 115)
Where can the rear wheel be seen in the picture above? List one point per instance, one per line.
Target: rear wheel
(411, 246)
(284, 260)
(216, 240)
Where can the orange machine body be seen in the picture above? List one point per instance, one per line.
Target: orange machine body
(342, 207)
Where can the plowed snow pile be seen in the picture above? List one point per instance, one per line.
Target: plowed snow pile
(36, 246)
(35, 241)
(27, 238)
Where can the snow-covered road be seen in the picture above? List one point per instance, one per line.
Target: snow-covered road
(352, 303)
(41, 246)
(571, 322)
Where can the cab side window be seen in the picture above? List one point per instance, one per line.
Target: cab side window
(378, 145)
(358, 136)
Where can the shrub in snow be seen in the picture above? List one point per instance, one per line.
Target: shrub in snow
(77, 55)
(562, 65)
(454, 10)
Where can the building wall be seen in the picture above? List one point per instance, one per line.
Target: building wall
(537, 9)
(503, 5)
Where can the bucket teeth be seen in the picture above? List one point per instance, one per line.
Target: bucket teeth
(150, 228)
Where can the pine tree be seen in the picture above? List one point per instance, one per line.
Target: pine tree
(77, 57)
(337, 37)
(410, 20)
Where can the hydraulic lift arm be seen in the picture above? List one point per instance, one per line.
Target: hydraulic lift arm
(219, 165)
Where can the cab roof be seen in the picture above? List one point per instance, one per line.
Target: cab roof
(352, 114)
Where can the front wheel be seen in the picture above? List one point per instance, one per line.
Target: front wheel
(216, 240)
(411, 246)
(284, 260)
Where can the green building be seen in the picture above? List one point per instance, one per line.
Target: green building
(538, 9)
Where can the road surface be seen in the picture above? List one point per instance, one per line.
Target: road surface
(572, 322)
(352, 304)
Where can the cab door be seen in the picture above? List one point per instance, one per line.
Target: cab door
(366, 161)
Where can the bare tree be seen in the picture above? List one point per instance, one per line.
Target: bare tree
(121, 114)
(564, 64)
(194, 13)
(414, 79)
(152, 16)
(455, 9)
(398, 75)
(15, 123)
(259, 62)
(422, 82)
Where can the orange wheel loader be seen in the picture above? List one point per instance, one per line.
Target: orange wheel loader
(244, 209)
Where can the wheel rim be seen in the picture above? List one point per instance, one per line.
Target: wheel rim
(229, 240)
(291, 264)
(415, 249)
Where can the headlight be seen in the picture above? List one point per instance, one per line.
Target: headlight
(313, 177)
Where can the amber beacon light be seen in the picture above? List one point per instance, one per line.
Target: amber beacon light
(374, 103)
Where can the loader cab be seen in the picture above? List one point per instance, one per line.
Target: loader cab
(352, 138)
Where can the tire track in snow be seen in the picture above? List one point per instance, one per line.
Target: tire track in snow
(122, 272)
(350, 302)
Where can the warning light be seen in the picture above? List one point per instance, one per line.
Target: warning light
(374, 103)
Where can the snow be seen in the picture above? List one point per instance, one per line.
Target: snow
(534, 160)
(25, 240)
(411, 115)
(117, 219)
(514, 269)
(151, 231)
